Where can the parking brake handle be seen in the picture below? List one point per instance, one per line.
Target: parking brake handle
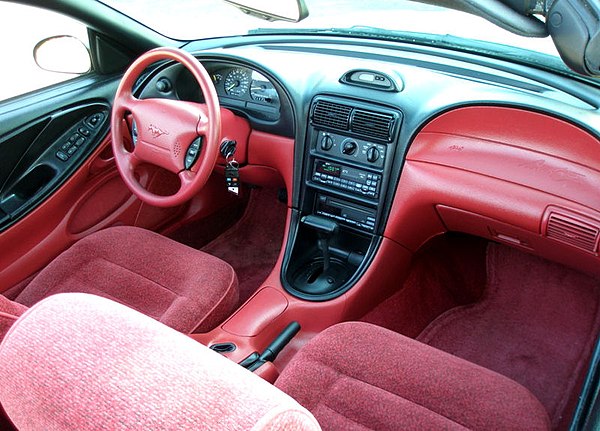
(276, 346)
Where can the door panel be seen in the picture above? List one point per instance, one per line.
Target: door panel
(46, 203)
(89, 200)
(41, 155)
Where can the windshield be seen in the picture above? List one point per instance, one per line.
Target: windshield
(197, 19)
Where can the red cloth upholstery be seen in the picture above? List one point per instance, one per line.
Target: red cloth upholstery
(357, 376)
(177, 285)
(80, 362)
(9, 312)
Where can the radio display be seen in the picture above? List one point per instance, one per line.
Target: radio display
(329, 169)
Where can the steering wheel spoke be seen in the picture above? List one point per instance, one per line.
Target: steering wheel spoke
(125, 103)
(131, 159)
(204, 124)
(166, 129)
(186, 177)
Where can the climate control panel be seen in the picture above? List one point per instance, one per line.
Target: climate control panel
(352, 149)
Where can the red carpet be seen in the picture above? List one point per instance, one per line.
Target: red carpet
(449, 271)
(252, 245)
(198, 233)
(537, 324)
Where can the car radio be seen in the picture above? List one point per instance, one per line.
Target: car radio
(352, 180)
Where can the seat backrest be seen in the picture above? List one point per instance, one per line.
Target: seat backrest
(78, 361)
(9, 313)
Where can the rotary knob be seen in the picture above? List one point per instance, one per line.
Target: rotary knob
(349, 148)
(326, 143)
(372, 154)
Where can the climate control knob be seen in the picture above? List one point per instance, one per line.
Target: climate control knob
(326, 143)
(372, 154)
(349, 148)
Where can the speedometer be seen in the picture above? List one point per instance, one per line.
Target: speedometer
(237, 82)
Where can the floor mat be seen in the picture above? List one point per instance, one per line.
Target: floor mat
(537, 324)
(448, 272)
(199, 233)
(252, 245)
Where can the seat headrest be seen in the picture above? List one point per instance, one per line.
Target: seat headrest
(78, 361)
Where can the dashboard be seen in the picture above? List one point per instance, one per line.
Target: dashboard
(364, 155)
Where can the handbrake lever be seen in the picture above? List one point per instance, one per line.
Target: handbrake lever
(274, 348)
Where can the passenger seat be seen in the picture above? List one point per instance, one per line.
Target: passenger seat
(358, 376)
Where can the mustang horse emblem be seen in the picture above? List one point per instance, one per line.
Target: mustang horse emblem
(156, 131)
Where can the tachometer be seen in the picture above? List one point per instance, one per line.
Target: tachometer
(237, 82)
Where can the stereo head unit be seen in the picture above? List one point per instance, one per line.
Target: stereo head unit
(347, 179)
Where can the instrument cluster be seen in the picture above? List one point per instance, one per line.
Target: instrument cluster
(244, 87)
(239, 88)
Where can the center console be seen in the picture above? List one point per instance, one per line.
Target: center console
(349, 152)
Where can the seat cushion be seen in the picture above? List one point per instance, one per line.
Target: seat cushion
(177, 285)
(357, 376)
(80, 362)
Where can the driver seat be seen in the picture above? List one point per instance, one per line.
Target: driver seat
(184, 288)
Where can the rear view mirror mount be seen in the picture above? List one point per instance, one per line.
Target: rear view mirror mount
(280, 10)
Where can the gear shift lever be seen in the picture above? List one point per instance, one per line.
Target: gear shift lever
(325, 228)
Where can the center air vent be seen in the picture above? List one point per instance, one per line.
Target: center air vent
(573, 230)
(331, 115)
(372, 124)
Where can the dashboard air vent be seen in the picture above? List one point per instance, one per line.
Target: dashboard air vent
(573, 231)
(372, 124)
(332, 115)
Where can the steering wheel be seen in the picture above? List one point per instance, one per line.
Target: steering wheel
(179, 136)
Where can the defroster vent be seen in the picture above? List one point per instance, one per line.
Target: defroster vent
(572, 230)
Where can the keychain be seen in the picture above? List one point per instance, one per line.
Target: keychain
(232, 177)
(232, 171)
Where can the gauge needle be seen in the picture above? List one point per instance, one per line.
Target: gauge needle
(233, 85)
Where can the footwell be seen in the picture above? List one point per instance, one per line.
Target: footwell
(537, 323)
(253, 244)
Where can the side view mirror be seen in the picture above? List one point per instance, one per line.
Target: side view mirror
(62, 54)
